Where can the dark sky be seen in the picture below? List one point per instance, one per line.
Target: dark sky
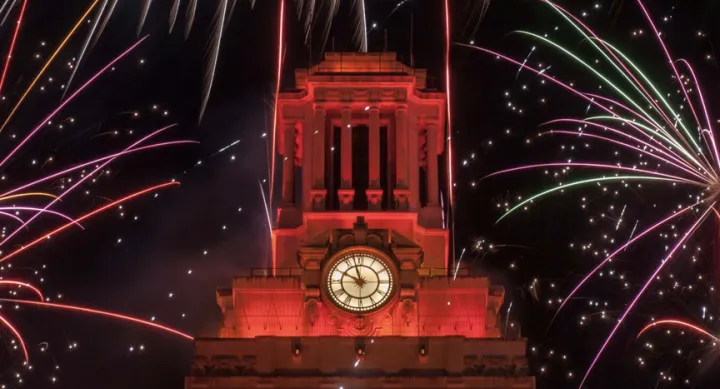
(152, 260)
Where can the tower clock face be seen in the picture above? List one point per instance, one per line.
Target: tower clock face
(359, 282)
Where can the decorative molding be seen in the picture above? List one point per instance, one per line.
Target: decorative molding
(374, 198)
(346, 198)
(318, 199)
(402, 199)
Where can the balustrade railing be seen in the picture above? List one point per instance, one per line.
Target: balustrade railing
(297, 272)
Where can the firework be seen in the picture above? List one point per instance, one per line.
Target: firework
(637, 116)
(190, 15)
(143, 15)
(24, 213)
(361, 28)
(85, 45)
(173, 15)
(215, 42)
(105, 20)
(680, 324)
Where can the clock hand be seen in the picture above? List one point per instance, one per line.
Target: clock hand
(357, 268)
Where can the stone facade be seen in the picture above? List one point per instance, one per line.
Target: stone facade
(347, 362)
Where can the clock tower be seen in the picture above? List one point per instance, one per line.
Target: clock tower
(360, 293)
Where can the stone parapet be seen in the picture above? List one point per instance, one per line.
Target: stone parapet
(426, 362)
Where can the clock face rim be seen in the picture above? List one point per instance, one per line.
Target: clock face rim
(343, 255)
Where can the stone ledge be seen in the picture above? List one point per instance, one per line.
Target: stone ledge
(361, 382)
(386, 356)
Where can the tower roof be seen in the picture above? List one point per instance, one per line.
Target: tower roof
(379, 65)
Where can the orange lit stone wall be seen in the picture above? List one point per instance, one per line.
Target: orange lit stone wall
(279, 306)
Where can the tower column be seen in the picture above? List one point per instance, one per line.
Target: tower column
(401, 190)
(306, 159)
(413, 158)
(374, 192)
(318, 191)
(432, 166)
(288, 187)
(346, 193)
(390, 168)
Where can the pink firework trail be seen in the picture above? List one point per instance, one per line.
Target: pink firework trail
(98, 312)
(680, 324)
(11, 216)
(12, 45)
(35, 290)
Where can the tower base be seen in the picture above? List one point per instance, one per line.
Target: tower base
(335, 362)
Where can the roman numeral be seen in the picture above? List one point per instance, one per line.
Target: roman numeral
(336, 281)
(339, 292)
(382, 271)
(347, 300)
(382, 292)
(384, 281)
(371, 299)
(360, 303)
(360, 260)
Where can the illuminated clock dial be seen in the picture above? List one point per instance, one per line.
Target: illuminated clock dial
(359, 282)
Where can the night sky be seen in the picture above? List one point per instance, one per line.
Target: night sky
(187, 241)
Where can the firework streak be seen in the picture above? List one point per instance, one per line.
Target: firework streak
(12, 45)
(677, 323)
(98, 312)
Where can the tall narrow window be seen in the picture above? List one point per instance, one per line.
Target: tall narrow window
(333, 175)
(384, 173)
(360, 166)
